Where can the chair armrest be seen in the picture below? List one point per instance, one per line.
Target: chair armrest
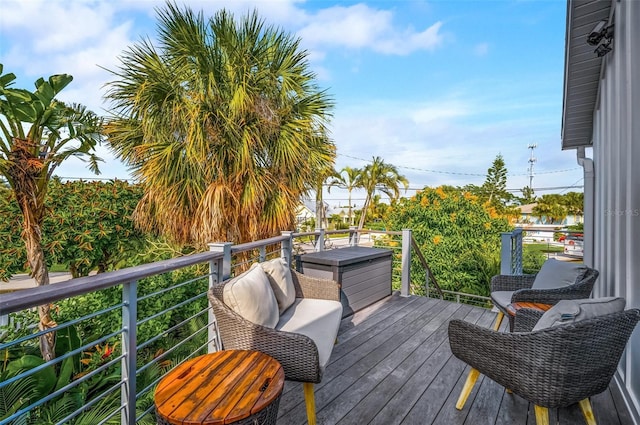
(503, 282)
(526, 319)
(312, 287)
(297, 353)
(552, 296)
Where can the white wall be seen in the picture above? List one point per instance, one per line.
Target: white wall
(616, 151)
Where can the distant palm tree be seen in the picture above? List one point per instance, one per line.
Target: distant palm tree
(223, 124)
(379, 176)
(38, 134)
(550, 206)
(348, 179)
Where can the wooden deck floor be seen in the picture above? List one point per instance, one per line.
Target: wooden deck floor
(393, 365)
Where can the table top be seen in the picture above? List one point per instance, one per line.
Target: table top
(514, 307)
(219, 388)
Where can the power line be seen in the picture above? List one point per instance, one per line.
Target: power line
(459, 173)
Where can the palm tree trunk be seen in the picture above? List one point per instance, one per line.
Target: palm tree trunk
(35, 256)
(350, 212)
(363, 215)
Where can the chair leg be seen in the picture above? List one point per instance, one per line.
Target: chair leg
(310, 402)
(542, 415)
(468, 386)
(499, 318)
(585, 406)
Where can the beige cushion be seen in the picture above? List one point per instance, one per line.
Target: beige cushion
(250, 295)
(570, 311)
(558, 274)
(279, 275)
(317, 319)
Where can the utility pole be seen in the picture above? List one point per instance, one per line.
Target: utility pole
(532, 161)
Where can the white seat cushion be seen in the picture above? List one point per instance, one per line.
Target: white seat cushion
(317, 319)
(570, 311)
(502, 298)
(279, 275)
(250, 295)
(558, 274)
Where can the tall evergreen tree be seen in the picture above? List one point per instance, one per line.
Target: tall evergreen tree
(494, 188)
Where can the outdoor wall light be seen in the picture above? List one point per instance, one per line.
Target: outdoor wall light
(601, 32)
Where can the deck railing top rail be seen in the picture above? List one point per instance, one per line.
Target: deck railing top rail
(27, 298)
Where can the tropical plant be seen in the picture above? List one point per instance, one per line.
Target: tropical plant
(320, 179)
(574, 203)
(87, 227)
(551, 208)
(222, 123)
(348, 179)
(378, 175)
(38, 134)
(457, 233)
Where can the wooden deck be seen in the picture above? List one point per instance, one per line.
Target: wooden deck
(393, 365)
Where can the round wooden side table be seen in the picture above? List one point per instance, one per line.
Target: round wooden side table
(225, 387)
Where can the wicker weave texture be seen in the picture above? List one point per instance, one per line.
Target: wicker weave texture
(553, 367)
(521, 285)
(297, 353)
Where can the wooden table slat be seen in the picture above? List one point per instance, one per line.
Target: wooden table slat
(241, 396)
(190, 393)
(206, 398)
(168, 387)
(219, 388)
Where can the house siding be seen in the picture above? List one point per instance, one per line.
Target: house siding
(616, 155)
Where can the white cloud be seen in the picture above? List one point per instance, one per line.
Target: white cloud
(362, 27)
(481, 49)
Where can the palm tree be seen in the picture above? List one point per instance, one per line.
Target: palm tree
(348, 179)
(379, 176)
(38, 134)
(551, 207)
(223, 124)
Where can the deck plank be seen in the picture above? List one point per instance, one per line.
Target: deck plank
(393, 365)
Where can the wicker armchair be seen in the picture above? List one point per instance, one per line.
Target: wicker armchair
(297, 353)
(520, 285)
(552, 367)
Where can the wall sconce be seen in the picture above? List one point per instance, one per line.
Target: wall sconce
(601, 32)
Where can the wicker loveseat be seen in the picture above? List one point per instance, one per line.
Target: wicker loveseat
(301, 340)
(553, 366)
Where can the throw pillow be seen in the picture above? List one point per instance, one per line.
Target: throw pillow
(571, 311)
(279, 275)
(250, 295)
(558, 274)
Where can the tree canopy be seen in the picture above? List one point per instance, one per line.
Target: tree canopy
(379, 176)
(223, 124)
(458, 235)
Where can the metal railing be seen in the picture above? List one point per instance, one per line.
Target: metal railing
(140, 322)
(511, 252)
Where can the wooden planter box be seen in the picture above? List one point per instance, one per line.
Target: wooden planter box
(363, 273)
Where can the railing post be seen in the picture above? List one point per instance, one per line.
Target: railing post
(517, 251)
(353, 235)
(406, 263)
(505, 253)
(319, 240)
(511, 252)
(219, 270)
(130, 351)
(262, 255)
(286, 247)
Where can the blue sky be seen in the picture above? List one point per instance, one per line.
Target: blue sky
(437, 88)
